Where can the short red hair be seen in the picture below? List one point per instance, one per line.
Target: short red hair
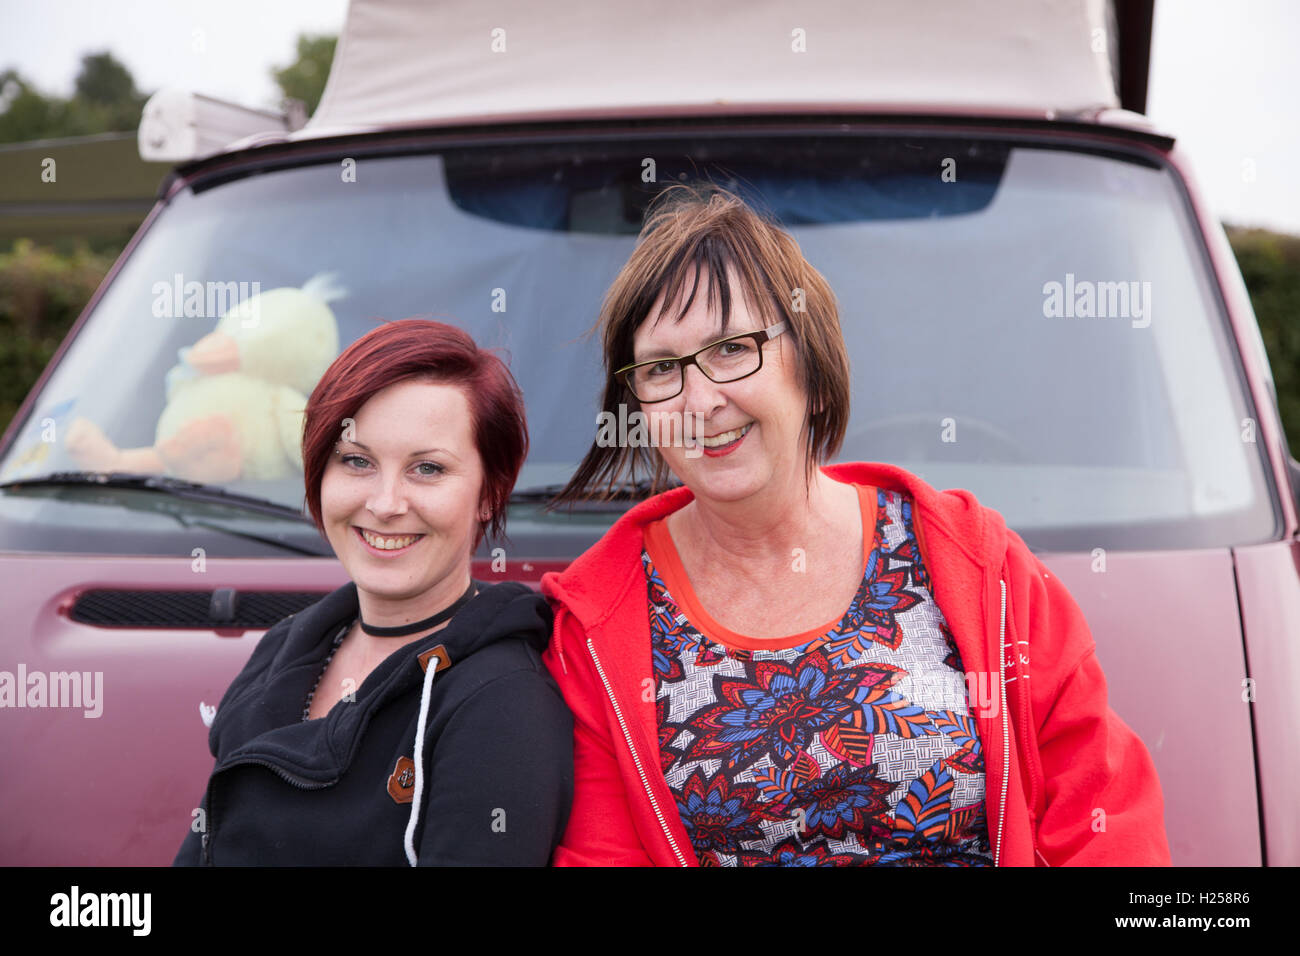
(423, 350)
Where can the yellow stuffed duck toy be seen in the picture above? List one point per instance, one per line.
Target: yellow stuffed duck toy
(235, 400)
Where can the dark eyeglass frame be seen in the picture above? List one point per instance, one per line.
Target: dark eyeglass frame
(759, 336)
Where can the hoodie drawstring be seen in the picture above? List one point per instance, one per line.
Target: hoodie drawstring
(417, 799)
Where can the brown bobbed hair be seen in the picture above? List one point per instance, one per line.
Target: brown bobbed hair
(421, 350)
(697, 231)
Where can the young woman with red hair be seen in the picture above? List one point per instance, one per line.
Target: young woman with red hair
(336, 745)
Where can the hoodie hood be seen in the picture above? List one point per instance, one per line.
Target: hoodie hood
(977, 532)
(293, 651)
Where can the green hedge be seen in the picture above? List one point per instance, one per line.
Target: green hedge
(43, 289)
(1270, 264)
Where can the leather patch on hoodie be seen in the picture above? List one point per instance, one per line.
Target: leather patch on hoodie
(440, 652)
(401, 784)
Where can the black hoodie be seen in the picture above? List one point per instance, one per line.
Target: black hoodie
(497, 757)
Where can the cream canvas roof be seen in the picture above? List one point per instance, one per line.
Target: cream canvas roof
(437, 62)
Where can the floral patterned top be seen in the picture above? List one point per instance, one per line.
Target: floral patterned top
(852, 744)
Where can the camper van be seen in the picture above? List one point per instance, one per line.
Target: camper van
(1038, 307)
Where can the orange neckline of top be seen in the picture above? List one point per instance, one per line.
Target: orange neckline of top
(663, 553)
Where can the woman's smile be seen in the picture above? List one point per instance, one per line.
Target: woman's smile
(726, 443)
(386, 545)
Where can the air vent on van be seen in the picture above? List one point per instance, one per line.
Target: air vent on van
(222, 608)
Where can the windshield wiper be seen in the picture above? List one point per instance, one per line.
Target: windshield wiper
(177, 487)
(260, 538)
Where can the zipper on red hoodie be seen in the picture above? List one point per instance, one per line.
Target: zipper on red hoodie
(1006, 730)
(1002, 684)
(636, 758)
(1021, 663)
(1022, 693)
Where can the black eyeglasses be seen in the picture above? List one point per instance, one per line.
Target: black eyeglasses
(726, 360)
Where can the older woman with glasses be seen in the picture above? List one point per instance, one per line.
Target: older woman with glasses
(791, 663)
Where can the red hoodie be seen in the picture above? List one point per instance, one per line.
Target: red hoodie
(1079, 787)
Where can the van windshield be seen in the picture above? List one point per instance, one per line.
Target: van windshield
(1034, 323)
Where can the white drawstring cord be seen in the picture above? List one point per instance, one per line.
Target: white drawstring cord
(430, 669)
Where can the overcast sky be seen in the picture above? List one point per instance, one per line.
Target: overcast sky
(1224, 73)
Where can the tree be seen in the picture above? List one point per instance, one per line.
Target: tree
(305, 78)
(105, 100)
(24, 113)
(105, 81)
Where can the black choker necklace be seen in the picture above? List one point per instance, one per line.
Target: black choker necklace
(428, 622)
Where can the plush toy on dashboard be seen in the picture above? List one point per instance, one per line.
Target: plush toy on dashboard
(235, 400)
